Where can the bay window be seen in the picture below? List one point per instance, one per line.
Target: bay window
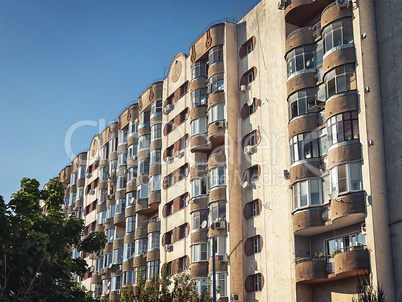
(112, 166)
(132, 128)
(118, 256)
(344, 243)
(143, 142)
(120, 205)
(132, 151)
(110, 236)
(156, 108)
(198, 70)
(73, 197)
(217, 210)
(340, 79)
(152, 269)
(105, 286)
(121, 182)
(155, 158)
(153, 241)
(112, 145)
(199, 97)
(80, 192)
(127, 277)
(215, 55)
(155, 180)
(143, 166)
(305, 101)
(197, 217)
(199, 252)
(346, 178)
(142, 191)
(130, 224)
(216, 83)
(300, 58)
(307, 193)
(130, 198)
(201, 285)
(337, 33)
(103, 174)
(128, 252)
(217, 177)
(73, 179)
(199, 126)
(123, 136)
(304, 146)
(104, 152)
(156, 132)
(141, 246)
(101, 217)
(81, 172)
(343, 127)
(199, 186)
(131, 174)
(122, 159)
(216, 113)
(116, 283)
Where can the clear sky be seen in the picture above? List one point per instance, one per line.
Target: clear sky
(82, 62)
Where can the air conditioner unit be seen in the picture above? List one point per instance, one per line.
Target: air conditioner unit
(235, 297)
(219, 225)
(89, 175)
(222, 258)
(243, 88)
(105, 220)
(342, 3)
(93, 192)
(119, 291)
(248, 150)
(168, 247)
(110, 196)
(167, 109)
(167, 159)
(220, 124)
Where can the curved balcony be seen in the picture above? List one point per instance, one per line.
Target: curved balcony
(144, 130)
(121, 194)
(96, 278)
(216, 232)
(215, 69)
(132, 162)
(155, 169)
(198, 269)
(140, 232)
(81, 182)
(305, 169)
(353, 261)
(101, 207)
(306, 222)
(112, 156)
(216, 133)
(131, 186)
(198, 83)
(344, 152)
(154, 226)
(140, 260)
(153, 255)
(144, 153)
(119, 220)
(341, 103)
(219, 266)
(128, 238)
(122, 148)
(108, 248)
(110, 199)
(129, 211)
(156, 119)
(199, 236)
(339, 56)
(299, 37)
(197, 172)
(198, 203)
(301, 80)
(109, 224)
(118, 244)
(79, 203)
(142, 179)
(198, 111)
(212, 37)
(70, 208)
(99, 228)
(127, 265)
(217, 159)
(103, 185)
(199, 143)
(142, 206)
(311, 271)
(132, 139)
(348, 209)
(103, 163)
(333, 12)
(216, 194)
(298, 12)
(104, 276)
(154, 199)
(216, 98)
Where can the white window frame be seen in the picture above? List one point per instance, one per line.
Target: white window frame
(297, 193)
(216, 113)
(199, 252)
(334, 179)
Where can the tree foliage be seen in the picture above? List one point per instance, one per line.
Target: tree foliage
(179, 288)
(36, 262)
(366, 292)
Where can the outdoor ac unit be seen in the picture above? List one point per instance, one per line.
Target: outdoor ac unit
(89, 175)
(342, 3)
(281, 4)
(93, 192)
(167, 159)
(168, 247)
(248, 150)
(105, 220)
(243, 88)
(235, 297)
(220, 124)
(222, 258)
(167, 109)
(219, 225)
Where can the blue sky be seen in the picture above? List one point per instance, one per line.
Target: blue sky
(62, 62)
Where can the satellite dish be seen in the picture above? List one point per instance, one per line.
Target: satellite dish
(204, 224)
(245, 184)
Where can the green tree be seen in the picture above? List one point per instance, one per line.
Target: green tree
(36, 262)
(366, 291)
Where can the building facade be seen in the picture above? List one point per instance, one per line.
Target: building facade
(271, 139)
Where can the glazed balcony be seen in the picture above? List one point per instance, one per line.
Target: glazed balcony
(348, 209)
(333, 12)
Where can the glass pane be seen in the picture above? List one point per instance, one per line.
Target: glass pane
(303, 193)
(342, 178)
(315, 188)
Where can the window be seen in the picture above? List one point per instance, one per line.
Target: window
(217, 177)
(251, 174)
(156, 132)
(153, 269)
(199, 252)
(256, 244)
(130, 198)
(130, 224)
(169, 208)
(344, 243)
(250, 47)
(199, 186)
(307, 193)
(155, 157)
(143, 166)
(73, 179)
(123, 136)
(216, 113)
(73, 197)
(183, 231)
(110, 235)
(131, 174)
(113, 145)
(183, 89)
(105, 286)
(118, 256)
(142, 191)
(250, 139)
(141, 246)
(248, 110)
(116, 283)
(199, 126)
(257, 282)
(144, 118)
(324, 144)
(198, 70)
(80, 192)
(129, 249)
(220, 245)
(304, 146)
(81, 172)
(306, 101)
(99, 264)
(132, 151)
(112, 166)
(216, 83)
(168, 236)
(120, 205)
(343, 127)
(156, 108)
(182, 264)
(300, 58)
(256, 208)
(102, 196)
(338, 33)
(153, 241)
(346, 178)
(217, 210)
(101, 217)
(199, 97)
(155, 180)
(340, 79)
(143, 142)
(121, 182)
(250, 77)
(103, 174)
(105, 152)
(201, 284)
(107, 259)
(197, 217)
(220, 283)
(132, 128)
(215, 55)
(127, 277)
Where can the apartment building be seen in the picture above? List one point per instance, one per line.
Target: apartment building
(266, 141)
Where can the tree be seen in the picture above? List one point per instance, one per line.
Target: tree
(366, 291)
(36, 262)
